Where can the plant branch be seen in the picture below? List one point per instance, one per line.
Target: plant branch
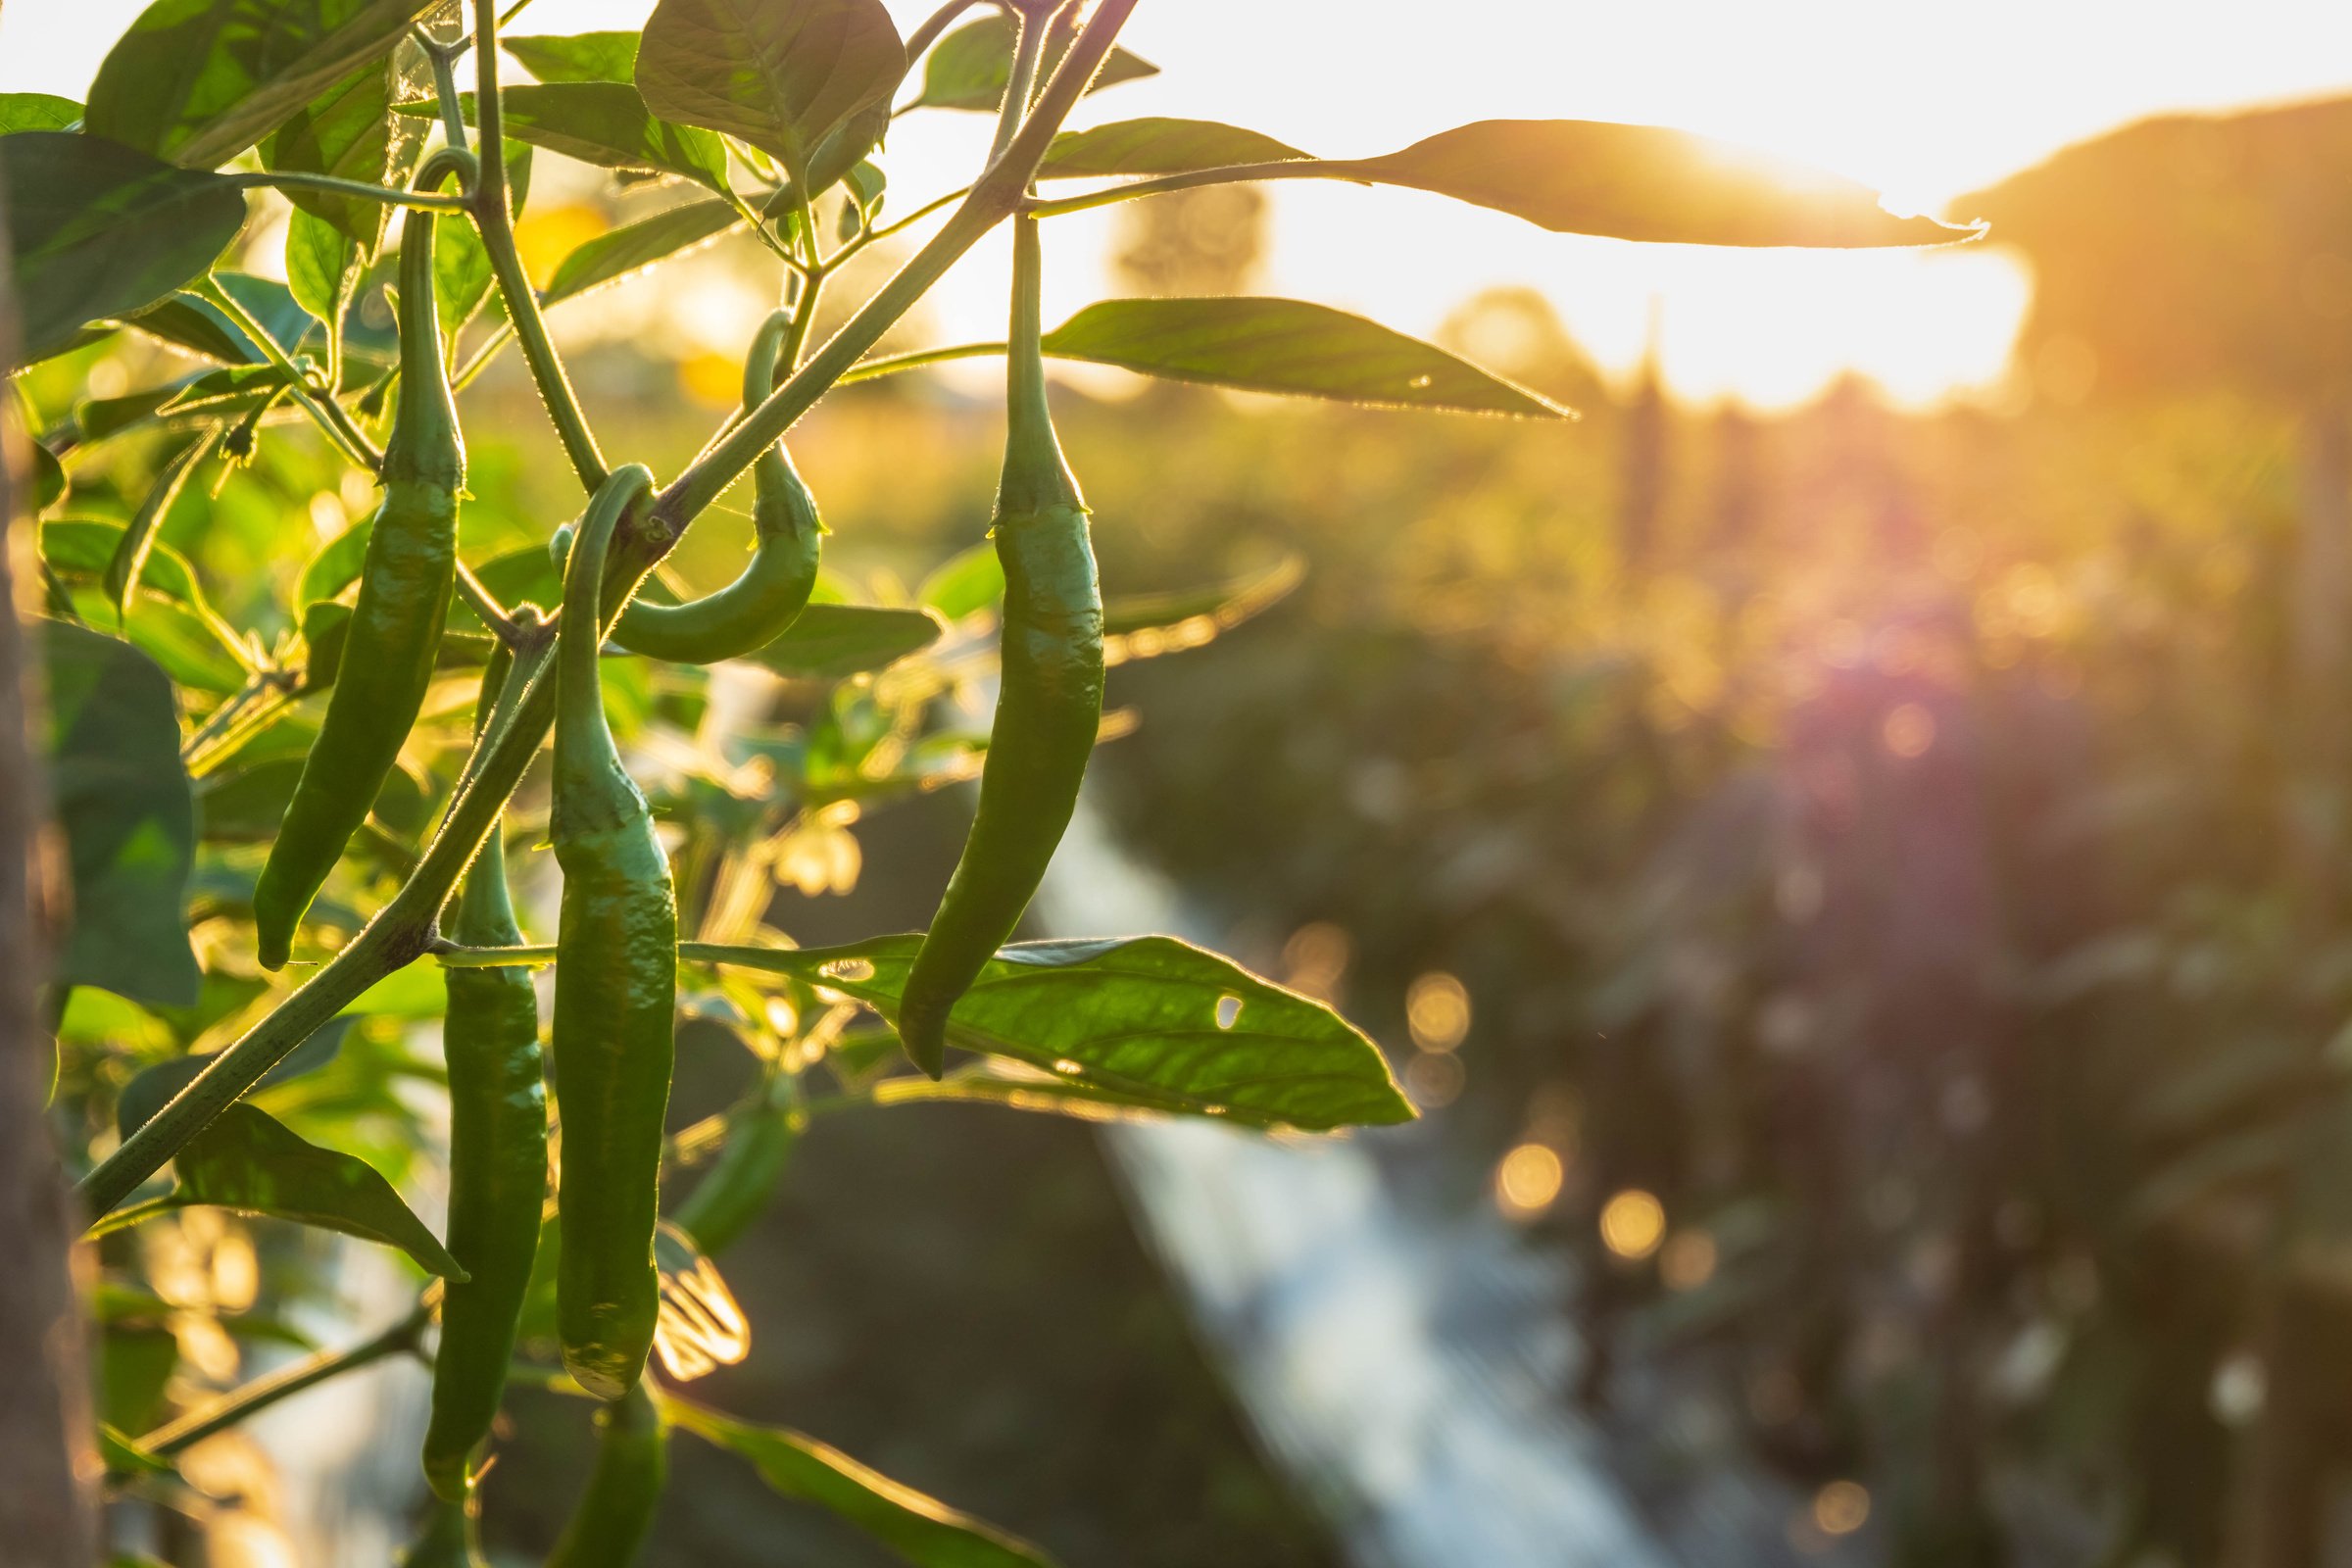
(402, 930)
(359, 189)
(496, 220)
(291, 1379)
(927, 35)
(484, 604)
(993, 199)
(444, 58)
(1231, 175)
(325, 413)
(892, 364)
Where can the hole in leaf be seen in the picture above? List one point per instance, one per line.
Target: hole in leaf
(1229, 1011)
(849, 969)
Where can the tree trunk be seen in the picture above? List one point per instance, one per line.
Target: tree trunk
(2322, 614)
(48, 1467)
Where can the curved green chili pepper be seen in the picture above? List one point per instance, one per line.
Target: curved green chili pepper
(615, 995)
(773, 588)
(497, 1160)
(1048, 700)
(736, 1189)
(617, 1511)
(396, 626)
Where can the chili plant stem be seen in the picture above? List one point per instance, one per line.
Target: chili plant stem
(993, 199)
(326, 412)
(484, 604)
(496, 222)
(290, 179)
(262, 1392)
(924, 36)
(1278, 168)
(405, 928)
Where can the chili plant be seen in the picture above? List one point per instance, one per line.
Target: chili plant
(334, 728)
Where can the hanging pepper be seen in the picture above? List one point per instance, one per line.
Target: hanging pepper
(1048, 699)
(616, 994)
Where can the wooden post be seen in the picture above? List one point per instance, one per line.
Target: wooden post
(48, 1468)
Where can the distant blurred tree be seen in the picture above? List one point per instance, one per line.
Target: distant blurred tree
(2192, 253)
(1206, 241)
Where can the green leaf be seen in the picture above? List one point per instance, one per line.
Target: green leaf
(187, 646)
(36, 111)
(250, 1161)
(1287, 346)
(99, 230)
(606, 124)
(1157, 1022)
(322, 265)
(198, 81)
(192, 323)
(1647, 183)
(1158, 146)
(325, 624)
(1190, 616)
(781, 74)
(49, 481)
(969, 67)
(129, 562)
(582, 57)
(634, 247)
(154, 1088)
(966, 584)
(335, 566)
(924, 1529)
(121, 798)
(208, 396)
(346, 132)
(831, 641)
(82, 547)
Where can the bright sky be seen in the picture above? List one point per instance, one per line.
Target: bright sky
(1923, 102)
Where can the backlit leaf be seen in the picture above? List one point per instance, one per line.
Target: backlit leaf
(606, 124)
(781, 74)
(1287, 346)
(1158, 146)
(831, 642)
(969, 67)
(582, 57)
(122, 798)
(36, 111)
(198, 81)
(920, 1529)
(250, 1161)
(99, 230)
(634, 247)
(1157, 1022)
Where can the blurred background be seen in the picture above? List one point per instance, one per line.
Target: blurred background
(1847, 844)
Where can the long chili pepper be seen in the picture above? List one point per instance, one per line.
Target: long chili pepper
(615, 995)
(773, 587)
(497, 1157)
(1049, 696)
(624, 1488)
(396, 625)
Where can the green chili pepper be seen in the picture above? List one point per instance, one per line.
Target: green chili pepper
(739, 1184)
(615, 995)
(773, 588)
(497, 1160)
(617, 1511)
(396, 626)
(1049, 696)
